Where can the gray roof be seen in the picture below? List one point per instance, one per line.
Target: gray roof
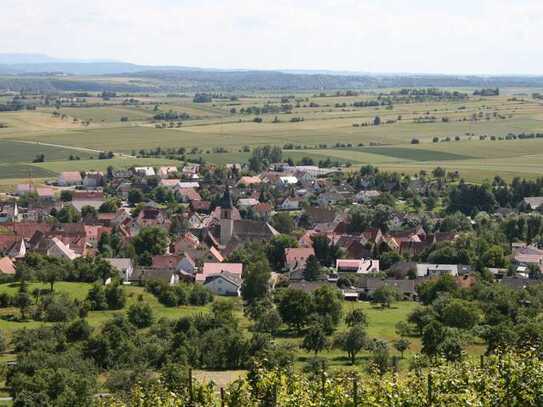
(226, 201)
(120, 264)
(247, 229)
(310, 286)
(233, 278)
(149, 274)
(403, 286)
(519, 283)
(79, 204)
(534, 201)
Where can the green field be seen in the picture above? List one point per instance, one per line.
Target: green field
(325, 121)
(13, 152)
(22, 171)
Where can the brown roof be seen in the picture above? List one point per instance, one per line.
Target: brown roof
(27, 230)
(87, 195)
(320, 215)
(190, 194)
(7, 241)
(263, 207)
(198, 205)
(253, 229)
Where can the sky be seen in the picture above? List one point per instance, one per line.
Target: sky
(379, 36)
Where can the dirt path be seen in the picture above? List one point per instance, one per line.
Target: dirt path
(91, 150)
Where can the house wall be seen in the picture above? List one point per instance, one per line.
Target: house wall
(220, 286)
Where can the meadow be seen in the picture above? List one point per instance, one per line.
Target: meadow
(332, 120)
(381, 322)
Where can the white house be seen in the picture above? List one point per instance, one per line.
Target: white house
(124, 267)
(169, 183)
(23, 189)
(247, 202)
(164, 172)
(288, 180)
(93, 179)
(424, 269)
(290, 204)
(188, 184)
(145, 171)
(56, 248)
(366, 196)
(224, 283)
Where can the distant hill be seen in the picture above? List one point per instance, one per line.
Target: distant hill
(44, 73)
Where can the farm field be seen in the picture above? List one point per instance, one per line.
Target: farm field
(338, 122)
(13, 152)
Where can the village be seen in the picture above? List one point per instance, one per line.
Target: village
(208, 213)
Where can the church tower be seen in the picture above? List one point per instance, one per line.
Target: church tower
(226, 222)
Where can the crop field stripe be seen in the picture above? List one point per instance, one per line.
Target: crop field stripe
(415, 154)
(8, 171)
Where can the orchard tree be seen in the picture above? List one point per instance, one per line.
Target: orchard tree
(356, 317)
(295, 306)
(315, 339)
(150, 241)
(276, 250)
(384, 296)
(51, 273)
(256, 281)
(401, 345)
(433, 336)
(328, 302)
(312, 271)
(283, 222)
(140, 315)
(352, 341)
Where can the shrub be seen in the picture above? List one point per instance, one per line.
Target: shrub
(200, 295)
(115, 297)
(78, 330)
(60, 308)
(141, 315)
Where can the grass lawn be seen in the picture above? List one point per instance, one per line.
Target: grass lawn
(381, 325)
(95, 318)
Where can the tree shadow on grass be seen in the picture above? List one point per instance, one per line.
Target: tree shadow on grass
(11, 318)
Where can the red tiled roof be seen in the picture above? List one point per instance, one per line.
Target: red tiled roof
(299, 254)
(71, 175)
(210, 269)
(165, 262)
(348, 263)
(263, 207)
(7, 266)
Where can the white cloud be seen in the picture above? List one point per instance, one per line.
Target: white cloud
(477, 36)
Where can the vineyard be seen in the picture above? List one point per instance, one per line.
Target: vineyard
(507, 379)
